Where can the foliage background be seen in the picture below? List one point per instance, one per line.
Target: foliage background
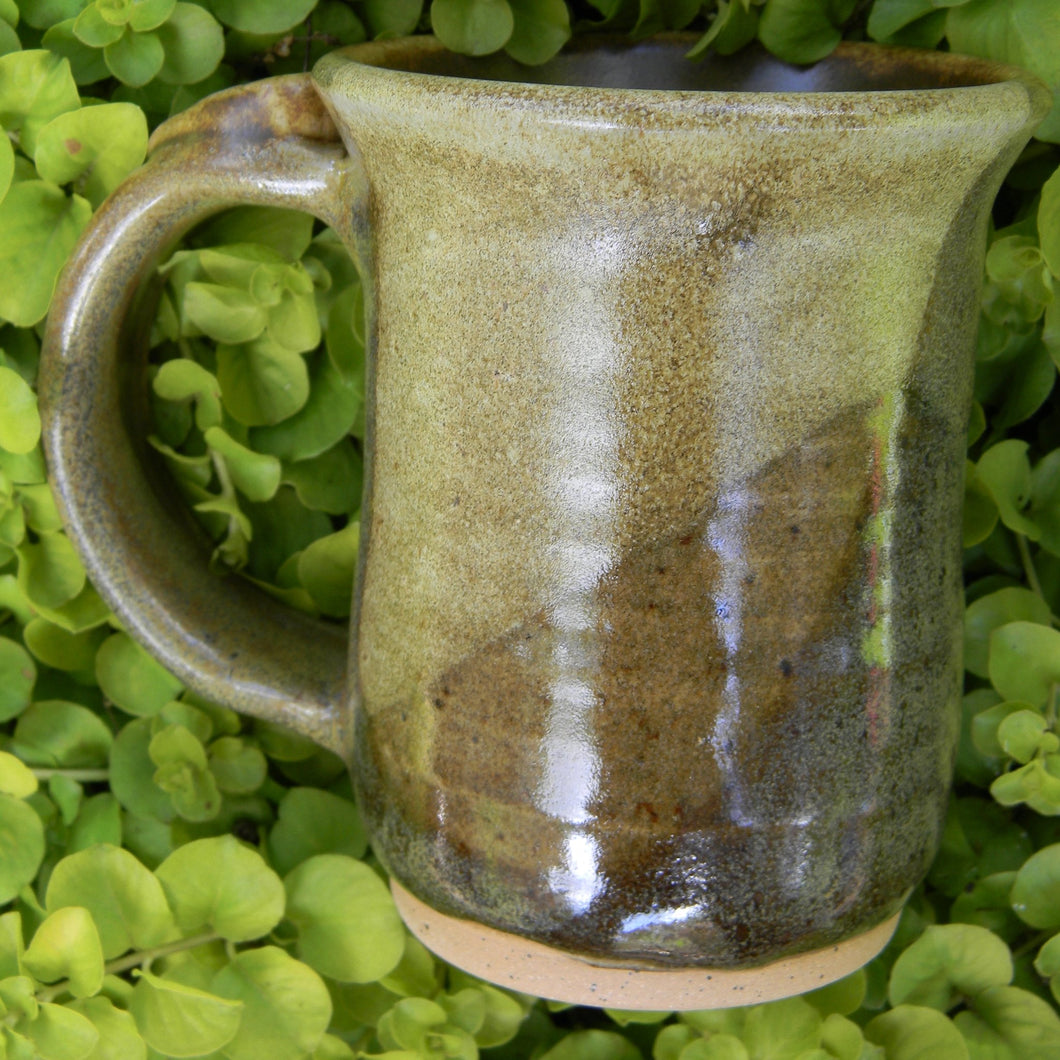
(179, 881)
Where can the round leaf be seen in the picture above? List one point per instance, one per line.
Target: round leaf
(134, 58)
(40, 225)
(98, 146)
(18, 675)
(21, 846)
(53, 732)
(326, 569)
(474, 27)
(35, 86)
(181, 1021)
(348, 926)
(601, 1045)
(1025, 661)
(59, 1033)
(61, 649)
(1036, 893)
(1008, 1023)
(798, 31)
(255, 475)
(125, 899)
(119, 1038)
(15, 777)
(992, 611)
(947, 961)
(49, 572)
(66, 946)
(910, 1032)
(238, 767)
(287, 1005)
(132, 773)
(540, 28)
(19, 419)
(262, 16)
(313, 822)
(220, 885)
(132, 679)
(261, 382)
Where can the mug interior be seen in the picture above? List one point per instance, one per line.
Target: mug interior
(659, 63)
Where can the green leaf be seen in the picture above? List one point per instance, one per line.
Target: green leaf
(1008, 1023)
(986, 723)
(92, 29)
(261, 382)
(392, 18)
(183, 771)
(132, 773)
(131, 678)
(59, 1033)
(19, 419)
(310, 822)
(96, 146)
(238, 767)
(474, 27)
(348, 926)
(7, 165)
(86, 63)
(16, 778)
(1036, 893)
(331, 482)
(262, 16)
(40, 225)
(150, 14)
(49, 572)
(1021, 32)
(1005, 470)
(125, 899)
(799, 31)
(44, 13)
(1049, 223)
(593, 1045)
(66, 946)
(1025, 661)
(719, 1047)
(949, 960)
(288, 1007)
(328, 415)
(185, 380)
(21, 846)
(910, 1032)
(98, 822)
(255, 475)
(844, 996)
(887, 17)
(60, 649)
(118, 1037)
(990, 612)
(541, 28)
(35, 86)
(181, 1021)
(1024, 734)
(221, 885)
(326, 569)
(226, 314)
(18, 675)
(54, 732)
(135, 58)
(733, 27)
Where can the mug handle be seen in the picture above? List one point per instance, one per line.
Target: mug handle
(270, 143)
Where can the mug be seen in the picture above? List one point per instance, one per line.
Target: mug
(651, 688)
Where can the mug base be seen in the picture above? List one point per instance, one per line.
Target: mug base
(533, 968)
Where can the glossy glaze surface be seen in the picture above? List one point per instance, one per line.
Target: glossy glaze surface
(660, 601)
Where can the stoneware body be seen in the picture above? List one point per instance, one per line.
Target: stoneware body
(655, 655)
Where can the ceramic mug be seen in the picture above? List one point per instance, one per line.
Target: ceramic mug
(651, 688)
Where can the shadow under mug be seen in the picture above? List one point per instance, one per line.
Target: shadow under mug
(651, 688)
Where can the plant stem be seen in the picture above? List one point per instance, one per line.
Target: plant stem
(134, 960)
(1028, 565)
(84, 776)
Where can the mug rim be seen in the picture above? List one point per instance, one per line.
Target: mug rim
(988, 92)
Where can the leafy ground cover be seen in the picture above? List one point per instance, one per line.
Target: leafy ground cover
(180, 881)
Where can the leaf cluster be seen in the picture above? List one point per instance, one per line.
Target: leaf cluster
(179, 881)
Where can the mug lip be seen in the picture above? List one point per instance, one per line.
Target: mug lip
(994, 91)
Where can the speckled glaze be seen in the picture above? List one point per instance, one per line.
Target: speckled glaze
(655, 655)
